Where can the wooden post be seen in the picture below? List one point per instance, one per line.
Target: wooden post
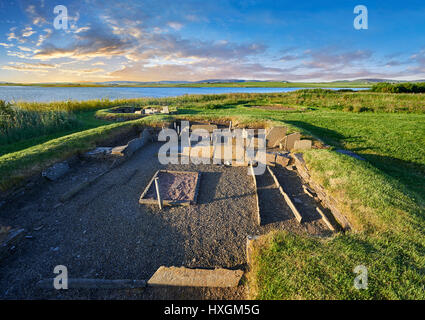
(157, 193)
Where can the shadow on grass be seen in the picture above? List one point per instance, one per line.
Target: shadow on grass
(411, 175)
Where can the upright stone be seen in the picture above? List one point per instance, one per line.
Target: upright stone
(289, 141)
(274, 135)
(302, 145)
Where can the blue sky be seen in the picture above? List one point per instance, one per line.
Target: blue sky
(195, 40)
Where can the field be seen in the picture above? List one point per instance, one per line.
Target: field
(383, 197)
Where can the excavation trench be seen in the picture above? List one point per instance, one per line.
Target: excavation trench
(103, 232)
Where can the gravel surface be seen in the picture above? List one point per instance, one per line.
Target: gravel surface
(103, 232)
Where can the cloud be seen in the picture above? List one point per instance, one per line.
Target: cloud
(43, 37)
(36, 13)
(28, 32)
(29, 67)
(6, 45)
(175, 25)
(327, 58)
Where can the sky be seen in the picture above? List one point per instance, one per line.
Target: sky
(188, 40)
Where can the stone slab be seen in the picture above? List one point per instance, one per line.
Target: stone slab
(302, 145)
(274, 136)
(184, 277)
(99, 153)
(165, 110)
(119, 151)
(289, 141)
(282, 159)
(270, 159)
(209, 127)
(58, 170)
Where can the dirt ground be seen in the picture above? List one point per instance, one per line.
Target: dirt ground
(103, 232)
(174, 186)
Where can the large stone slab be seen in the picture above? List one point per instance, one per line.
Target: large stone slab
(184, 277)
(209, 127)
(302, 145)
(133, 145)
(289, 141)
(274, 136)
(58, 170)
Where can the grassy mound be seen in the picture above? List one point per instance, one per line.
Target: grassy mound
(389, 241)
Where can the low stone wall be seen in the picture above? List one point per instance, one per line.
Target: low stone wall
(327, 200)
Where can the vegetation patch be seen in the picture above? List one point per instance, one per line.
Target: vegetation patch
(383, 196)
(18, 124)
(408, 87)
(389, 241)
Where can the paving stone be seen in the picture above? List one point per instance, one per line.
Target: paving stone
(274, 136)
(183, 277)
(302, 145)
(56, 171)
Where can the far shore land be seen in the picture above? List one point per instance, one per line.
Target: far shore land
(246, 84)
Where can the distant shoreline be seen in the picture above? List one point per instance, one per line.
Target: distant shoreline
(201, 85)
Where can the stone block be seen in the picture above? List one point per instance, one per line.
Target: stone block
(282, 159)
(209, 127)
(289, 141)
(56, 171)
(274, 136)
(184, 277)
(99, 153)
(302, 145)
(118, 151)
(270, 159)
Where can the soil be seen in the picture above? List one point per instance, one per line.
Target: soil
(103, 232)
(174, 186)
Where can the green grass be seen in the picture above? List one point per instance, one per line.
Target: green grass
(84, 120)
(389, 241)
(383, 197)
